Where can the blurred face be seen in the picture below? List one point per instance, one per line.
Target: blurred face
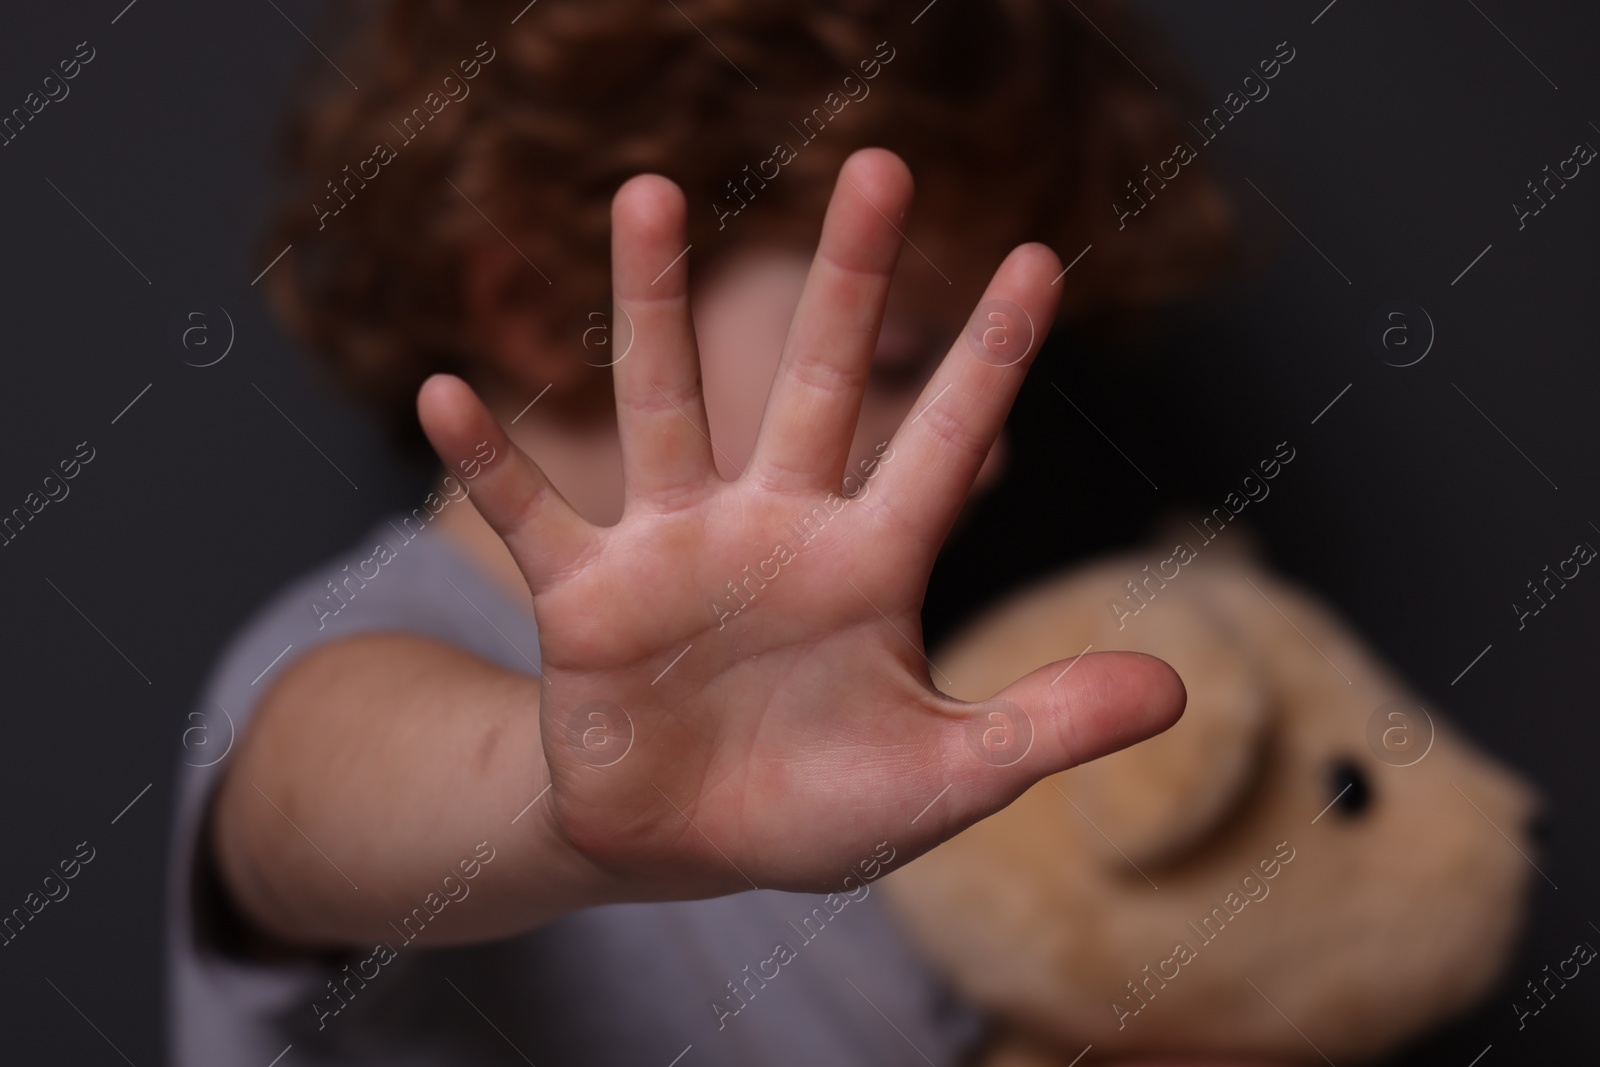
(742, 310)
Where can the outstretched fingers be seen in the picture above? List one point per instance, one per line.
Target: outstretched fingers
(509, 490)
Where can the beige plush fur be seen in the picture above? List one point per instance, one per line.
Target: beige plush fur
(1383, 923)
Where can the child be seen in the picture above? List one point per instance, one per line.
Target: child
(467, 826)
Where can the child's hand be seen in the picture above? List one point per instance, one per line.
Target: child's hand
(778, 746)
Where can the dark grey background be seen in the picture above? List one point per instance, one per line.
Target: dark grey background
(1396, 141)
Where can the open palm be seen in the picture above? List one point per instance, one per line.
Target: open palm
(735, 692)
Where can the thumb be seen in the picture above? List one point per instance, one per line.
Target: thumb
(1061, 715)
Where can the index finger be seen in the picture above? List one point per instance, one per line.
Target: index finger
(939, 448)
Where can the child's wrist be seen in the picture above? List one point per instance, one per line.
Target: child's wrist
(567, 878)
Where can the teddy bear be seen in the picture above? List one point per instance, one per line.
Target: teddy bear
(1309, 866)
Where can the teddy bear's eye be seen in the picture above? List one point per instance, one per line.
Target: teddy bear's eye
(1349, 788)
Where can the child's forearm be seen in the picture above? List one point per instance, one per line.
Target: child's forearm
(373, 770)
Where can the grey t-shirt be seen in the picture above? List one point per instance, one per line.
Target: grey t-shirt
(635, 984)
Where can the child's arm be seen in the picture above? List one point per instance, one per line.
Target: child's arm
(775, 747)
(372, 769)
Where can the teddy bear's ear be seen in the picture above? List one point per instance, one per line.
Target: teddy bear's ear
(1157, 800)
(1209, 539)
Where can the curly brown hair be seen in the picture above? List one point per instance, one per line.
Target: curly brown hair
(471, 115)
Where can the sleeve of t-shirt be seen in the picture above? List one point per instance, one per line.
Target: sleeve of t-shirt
(219, 989)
